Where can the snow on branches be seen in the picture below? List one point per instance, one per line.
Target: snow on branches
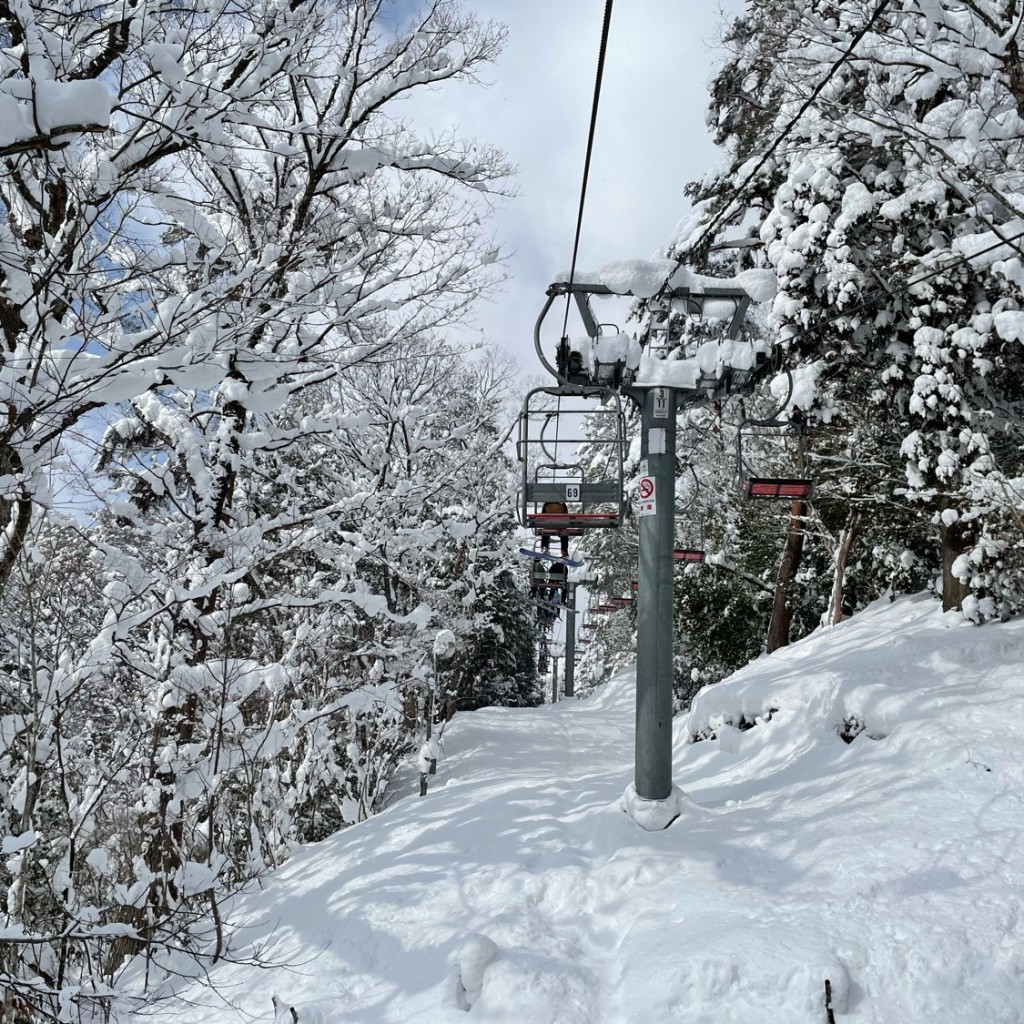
(891, 209)
(225, 266)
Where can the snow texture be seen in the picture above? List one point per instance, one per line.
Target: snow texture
(854, 812)
(652, 815)
(26, 112)
(606, 350)
(707, 368)
(445, 644)
(15, 844)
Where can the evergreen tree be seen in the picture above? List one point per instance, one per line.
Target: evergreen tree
(890, 192)
(500, 662)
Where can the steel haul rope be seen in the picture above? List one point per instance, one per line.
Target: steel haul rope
(590, 149)
(709, 231)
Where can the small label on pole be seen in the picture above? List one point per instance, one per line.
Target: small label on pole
(648, 503)
(572, 492)
(660, 403)
(643, 467)
(656, 438)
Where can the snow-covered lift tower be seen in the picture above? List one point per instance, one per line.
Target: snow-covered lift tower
(660, 379)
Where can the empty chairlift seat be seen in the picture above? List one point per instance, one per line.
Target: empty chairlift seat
(689, 555)
(775, 442)
(571, 447)
(770, 488)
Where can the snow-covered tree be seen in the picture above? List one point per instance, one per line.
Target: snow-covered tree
(234, 192)
(219, 234)
(500, 663)
(891, 148)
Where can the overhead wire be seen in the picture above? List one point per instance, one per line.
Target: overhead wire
(605, 28)
(739, 190)
(804, 107)
(871, 300)
(591, 134)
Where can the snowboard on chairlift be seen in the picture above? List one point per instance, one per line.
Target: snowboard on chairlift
(543, 556)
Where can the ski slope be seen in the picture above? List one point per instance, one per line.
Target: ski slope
(518, 892)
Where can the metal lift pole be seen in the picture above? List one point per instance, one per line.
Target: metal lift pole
(570, 642)
(653, 765)
(651, 799)
(554, 680)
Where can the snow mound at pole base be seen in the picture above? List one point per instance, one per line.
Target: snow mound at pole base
(653, 815)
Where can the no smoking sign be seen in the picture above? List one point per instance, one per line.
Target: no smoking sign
(648, 498)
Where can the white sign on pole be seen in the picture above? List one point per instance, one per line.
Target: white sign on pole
(660, 404)
(648, 498)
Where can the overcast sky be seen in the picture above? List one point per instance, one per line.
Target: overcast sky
(651, 137)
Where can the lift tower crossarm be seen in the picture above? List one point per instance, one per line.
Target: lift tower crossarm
(694, 297)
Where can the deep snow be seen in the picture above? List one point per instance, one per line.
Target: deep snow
(520, 890)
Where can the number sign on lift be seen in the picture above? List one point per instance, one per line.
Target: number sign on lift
(572, 492)
(660, 404)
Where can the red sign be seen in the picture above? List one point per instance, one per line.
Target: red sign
(646, 487)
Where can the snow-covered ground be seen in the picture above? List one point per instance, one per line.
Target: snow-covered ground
(518, 888)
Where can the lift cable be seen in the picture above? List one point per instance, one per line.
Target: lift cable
(586, 163)
(741, 188)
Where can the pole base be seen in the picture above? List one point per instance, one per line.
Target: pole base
(652, 815)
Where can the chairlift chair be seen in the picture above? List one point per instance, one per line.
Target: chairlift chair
(562, 494)
(686, 552)
(689, 526)
(543, 663)
(773, 431)
(788, 489)
(547, 580)
(689, 555)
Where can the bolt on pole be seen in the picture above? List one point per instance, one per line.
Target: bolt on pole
(653, 763)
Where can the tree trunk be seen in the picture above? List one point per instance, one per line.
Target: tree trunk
(954, 540)
(782, 613)
(846, 538)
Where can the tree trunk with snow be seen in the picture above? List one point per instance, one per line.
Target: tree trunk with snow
(847, 536)
(954, 540)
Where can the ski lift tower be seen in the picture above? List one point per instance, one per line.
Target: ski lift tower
(660, 377)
